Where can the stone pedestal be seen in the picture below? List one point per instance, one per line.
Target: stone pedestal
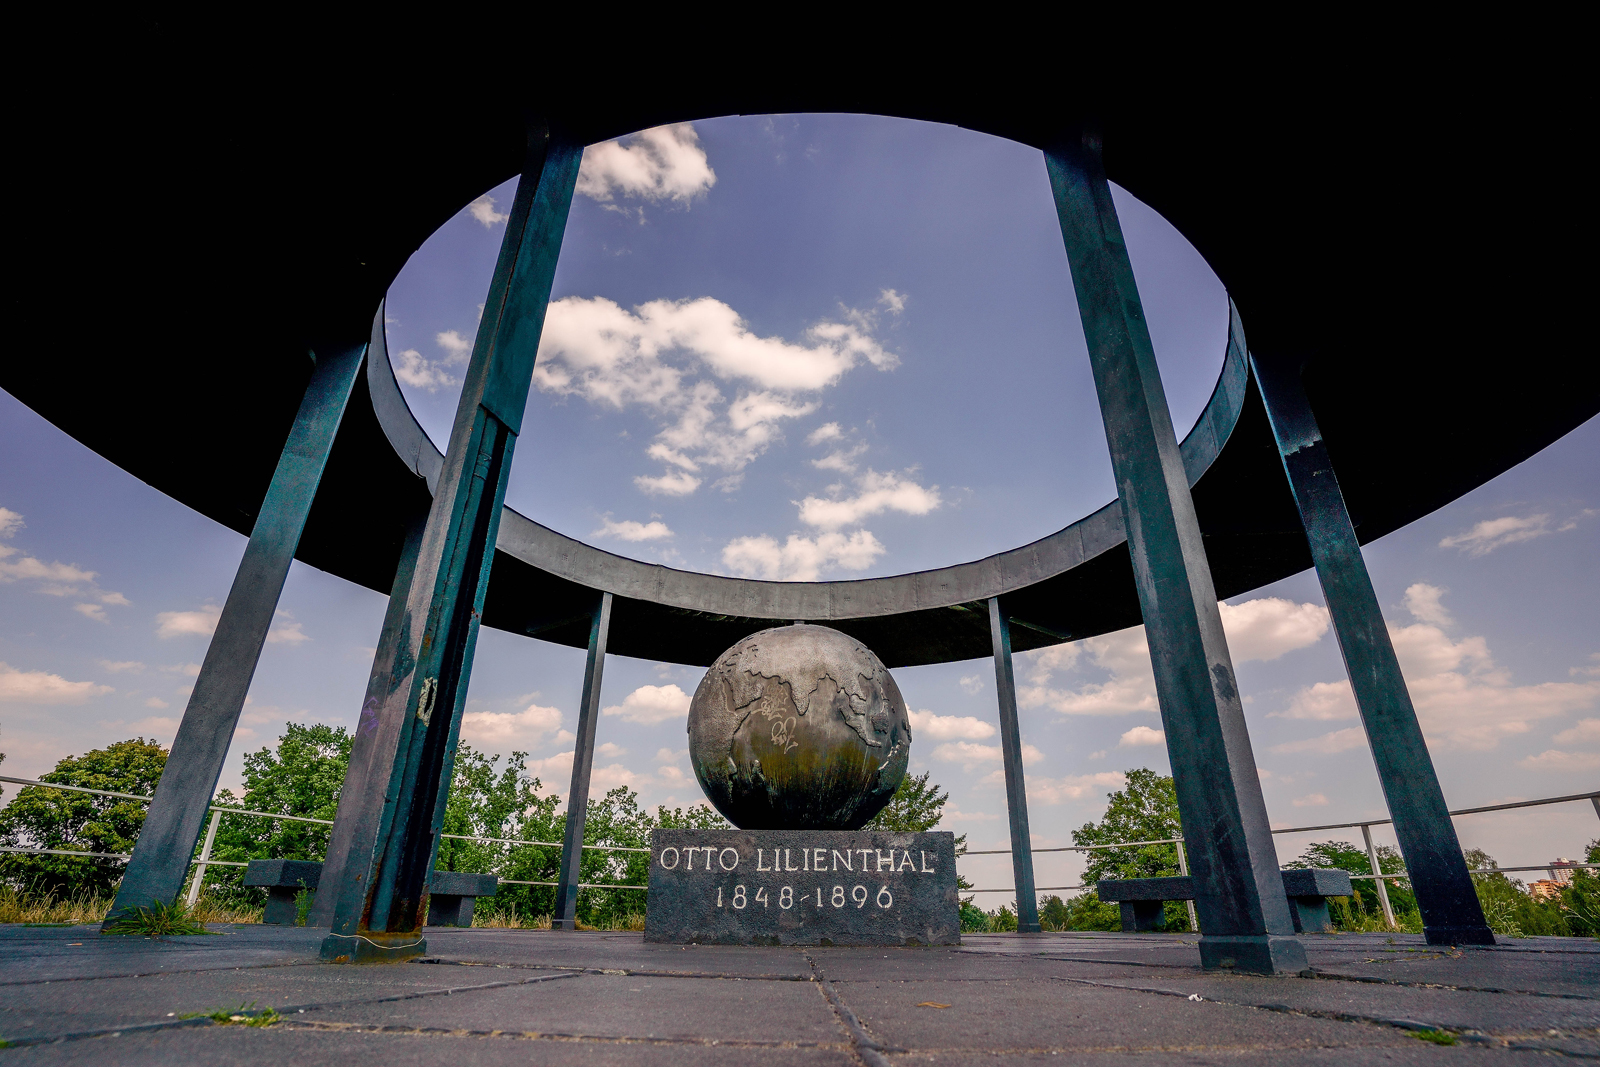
(802, 887)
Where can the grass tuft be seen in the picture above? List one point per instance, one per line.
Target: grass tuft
(158, 920)
(1437, 1037)
(243, 1015)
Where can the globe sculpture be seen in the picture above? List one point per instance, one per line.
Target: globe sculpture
(799, 728)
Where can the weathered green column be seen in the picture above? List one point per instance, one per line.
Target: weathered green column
(1238, 889)
(565, 915)
(166, 842)
(1451, 912)
(381, 901)
(1005, 684)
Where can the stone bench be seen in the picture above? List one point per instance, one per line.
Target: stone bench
(283, 881)
(451, 895)
(1141, 899)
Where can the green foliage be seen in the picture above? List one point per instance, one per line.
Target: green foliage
(1146, 809)
(973, 918)
(302, 776)
(1344, 856)
(917, 806)
(1437, 1037)
(50, 818)
(158, 920)
(243, 1015)
(1580, 898)
(1507, 905)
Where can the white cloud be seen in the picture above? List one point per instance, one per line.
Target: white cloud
(1267, 627)
(1327, 744)
(876, 493)
(630, 530)
(893, 301)
(1072, 787)
(190, 669)
(842, 460)
(667, 755)
(653, 355)
(611, 750)
(651, 704)
(949, 727)
(602, 779)
(93, 611)
(1124, 655)
(63, 576)
(1558, 762)
(951, 813)
(553, 772)
(127, 666)
(155, 702)
(673, 483)
(828, 431)
(1491, 534)
(1311, 800)
(1585, 730)
(1322, 701)
(162, 726)
(484, 211)
(971, 755)
(971, 683)
(1142, 735)
(199, 623)
(285, 631)
(40, 687)
(800, 559)
(1424, 601)
(500, 729)
(416, 370)
(11, 521)
(664, 163)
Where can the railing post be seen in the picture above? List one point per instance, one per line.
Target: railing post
(1377, 876)
(166, 842)
(1237, 884)
(1451, 911)
(1005, 685)
(382, 898)
(205, 855)
(1183, 869)
(565, 914)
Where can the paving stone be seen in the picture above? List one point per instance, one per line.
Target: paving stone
(240, 1047)
(618, 1006)
(1052, 1014)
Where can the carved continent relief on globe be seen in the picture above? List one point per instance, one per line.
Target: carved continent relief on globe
(799, 728)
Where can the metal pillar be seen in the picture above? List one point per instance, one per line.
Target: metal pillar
(565, 915)
(382, 895)
(183, 797)
(355, 826)
(1238, 890)
(1451, 912)
(1005, 685)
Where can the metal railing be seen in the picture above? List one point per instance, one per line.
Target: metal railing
(204, 860)
(1379, 879)
(1377, 876)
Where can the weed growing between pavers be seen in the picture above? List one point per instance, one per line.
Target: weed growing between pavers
(243, 1015)
(158, 920)
(1437, 1037)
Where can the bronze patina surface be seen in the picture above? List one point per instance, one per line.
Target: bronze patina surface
(799, 728)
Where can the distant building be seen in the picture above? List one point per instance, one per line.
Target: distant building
(1545, 889)
(1561, 870)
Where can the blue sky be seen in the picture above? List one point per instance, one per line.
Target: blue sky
(831, 346)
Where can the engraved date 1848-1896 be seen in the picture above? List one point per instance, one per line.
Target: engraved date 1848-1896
(859, 896)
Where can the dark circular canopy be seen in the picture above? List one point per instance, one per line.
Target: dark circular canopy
(197, 207)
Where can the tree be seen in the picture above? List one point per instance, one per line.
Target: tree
(916, 807)
(1145, 809)
(1344, 856)
(81, 822)
(302, 776)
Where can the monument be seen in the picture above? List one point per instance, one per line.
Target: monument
(799, 736)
